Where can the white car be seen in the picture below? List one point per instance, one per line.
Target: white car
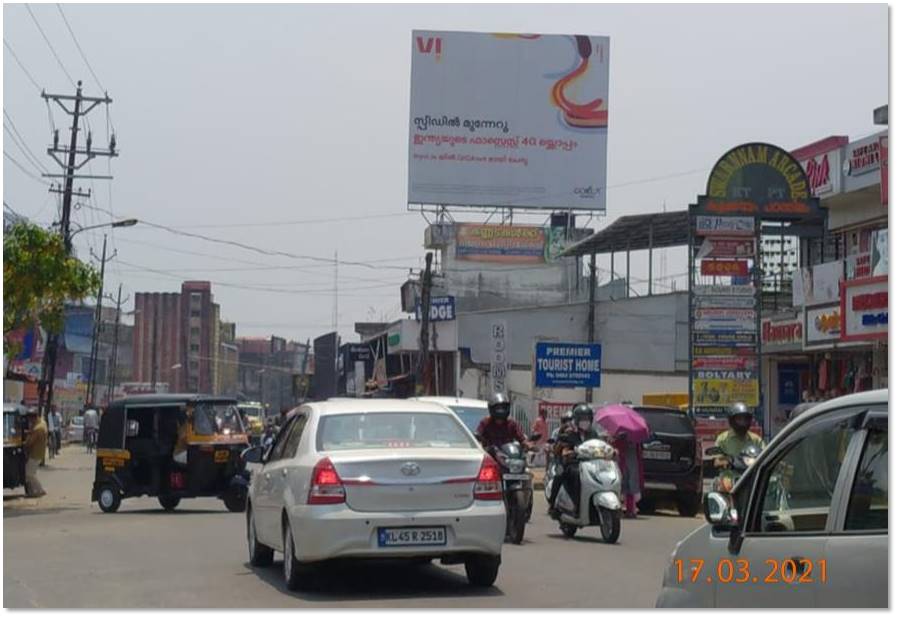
(75, 430)
(378, 479)
(469, 410)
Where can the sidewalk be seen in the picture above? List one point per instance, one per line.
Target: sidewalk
(67, 479)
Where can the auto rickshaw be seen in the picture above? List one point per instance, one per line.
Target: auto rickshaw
(14, 457)
(171, 446)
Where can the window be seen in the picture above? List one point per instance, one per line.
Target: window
(797, 491)
(868, 506)
(194, 332)
(292, 440)
(194, 347)
(365, 431)
(280, 441)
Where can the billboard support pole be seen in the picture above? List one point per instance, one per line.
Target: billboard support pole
(591, 324)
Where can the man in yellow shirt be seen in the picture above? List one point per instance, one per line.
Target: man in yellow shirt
(734, 440)
(35, 448)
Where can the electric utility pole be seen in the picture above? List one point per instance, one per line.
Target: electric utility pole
(97, 328)
(423, 364)
(110, 376)
(81, 106)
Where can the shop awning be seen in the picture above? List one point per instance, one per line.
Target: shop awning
(636, 233)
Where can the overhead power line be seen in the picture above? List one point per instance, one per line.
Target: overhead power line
(22, 144)
(23, 170)
(341, 219)
(49, 44)
(80, 51)
(21, 65)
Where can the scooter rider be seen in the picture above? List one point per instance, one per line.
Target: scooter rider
(498, 428)
(734, 440)
(566, 419)
(578, 432)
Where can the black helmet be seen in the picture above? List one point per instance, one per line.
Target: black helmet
(567, 416)
(499, 406)
(583, 411)
(739, 409)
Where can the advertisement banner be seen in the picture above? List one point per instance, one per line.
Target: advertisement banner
(864, 310)
(824, 173)
(724, 267)
(724, 225)
(724, 290)
(731, 302)
(726, 247)
(442, 308)
(554, 410)
(724, 338)
(514, 244)
(782, 335)
(726, 314)
(724, 392)
(508, 120)
(567, 365)
(822, 324)
(880, 252)
(883, 171)
(498, 369)
(858, 266)
(826, 280)
(703, 350)
(723, 373)
(725, 363)
(703, 325)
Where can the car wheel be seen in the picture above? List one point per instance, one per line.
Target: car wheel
(259, 554)
(568, 530)
(482, 570)
(235, 500)
(291, 567)
(168, 502)
(689, 506)
(109, 498)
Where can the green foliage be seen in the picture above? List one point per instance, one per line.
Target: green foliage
(39, 278)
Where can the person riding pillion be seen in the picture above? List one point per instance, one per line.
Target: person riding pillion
(498, 428)
(735, 439)
(578, 432)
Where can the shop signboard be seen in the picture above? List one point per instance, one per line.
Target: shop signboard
(703, 325)
(553, 409)
(725, 363)
(781, 334)
(510, 244)
(824, 172)
(880, 252)
(724, 302)
(724, 338)
(723, 350)
(508, 120)
(498, 369)
(724, 267)
(726, 247)
(822, 325)
(862, 163)
(724, 225)
(864, 309)
(567, 365)
(823, 284)
(724, 290)
(858, 266)
(442, 308)
(883, 171)
(712, 392)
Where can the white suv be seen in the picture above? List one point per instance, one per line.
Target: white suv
(375, 479)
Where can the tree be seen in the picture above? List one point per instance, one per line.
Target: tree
(38, 279)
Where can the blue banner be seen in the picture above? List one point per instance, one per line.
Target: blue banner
(442, 308)
(568, 365)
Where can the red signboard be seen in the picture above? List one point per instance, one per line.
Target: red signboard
(725, 363)
(724, 267)
(883, 169)
(782, 333)
(553, 410)
(727, 247)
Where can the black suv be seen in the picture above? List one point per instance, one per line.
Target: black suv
(672, 461)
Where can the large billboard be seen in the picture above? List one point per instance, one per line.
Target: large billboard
(508, 120)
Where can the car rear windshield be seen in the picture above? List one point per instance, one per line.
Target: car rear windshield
(470, 416)
(382, 430)
(670, 422)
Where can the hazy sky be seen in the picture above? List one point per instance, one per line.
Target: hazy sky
(238, 115)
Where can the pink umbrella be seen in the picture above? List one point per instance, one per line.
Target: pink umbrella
(617, 419)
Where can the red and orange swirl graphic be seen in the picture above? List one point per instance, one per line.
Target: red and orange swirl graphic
(582, 115)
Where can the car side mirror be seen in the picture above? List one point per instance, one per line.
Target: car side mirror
(253, 455)
(719, 510)
(133, 428)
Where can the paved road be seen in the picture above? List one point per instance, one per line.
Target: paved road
(61, 551)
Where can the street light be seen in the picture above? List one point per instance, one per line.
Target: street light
(122, 223)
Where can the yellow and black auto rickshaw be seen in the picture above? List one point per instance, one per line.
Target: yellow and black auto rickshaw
(171, 446)
(14, 458)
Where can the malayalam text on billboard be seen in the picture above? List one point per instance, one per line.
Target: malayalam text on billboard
(508, 120)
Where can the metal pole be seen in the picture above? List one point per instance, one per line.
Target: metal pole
(97, 327)
(424, 352)
(110, 388)
(591, 324)
(155, 362)
(651, 257)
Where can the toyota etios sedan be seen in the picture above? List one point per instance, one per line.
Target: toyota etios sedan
(375, 479)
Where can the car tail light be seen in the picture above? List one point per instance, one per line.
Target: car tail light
(326, 485)
(488, 486)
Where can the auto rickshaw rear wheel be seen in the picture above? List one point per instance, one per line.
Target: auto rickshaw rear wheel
(109, 498)
(168, 502)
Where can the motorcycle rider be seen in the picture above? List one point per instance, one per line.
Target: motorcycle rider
(734, 440)
(498, 428)
(579, 431)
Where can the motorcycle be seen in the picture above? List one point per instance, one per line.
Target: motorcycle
(517, 487)
(727, 477)
(600, 503)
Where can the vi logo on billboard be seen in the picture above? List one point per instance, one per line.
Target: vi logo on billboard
(430, 45)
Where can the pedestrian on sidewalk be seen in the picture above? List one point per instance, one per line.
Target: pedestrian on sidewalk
(35, 446)
(632, 471)
(57, 421)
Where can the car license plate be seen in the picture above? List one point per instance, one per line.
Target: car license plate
(656, 455)
(411, 536)
(515, 476)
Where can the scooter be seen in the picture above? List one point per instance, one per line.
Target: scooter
(599, 496)
(517, 487)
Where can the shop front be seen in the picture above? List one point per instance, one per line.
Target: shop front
(785, 367)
